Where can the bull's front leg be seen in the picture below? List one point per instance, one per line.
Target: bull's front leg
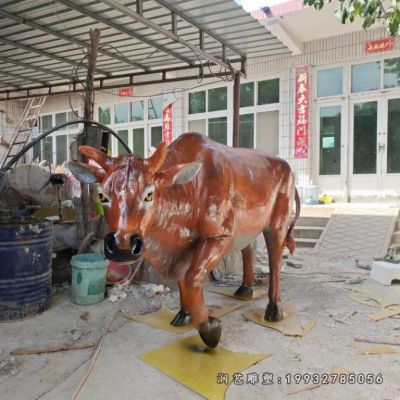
(207, 255)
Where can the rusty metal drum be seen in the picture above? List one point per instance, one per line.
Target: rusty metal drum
(25, 267)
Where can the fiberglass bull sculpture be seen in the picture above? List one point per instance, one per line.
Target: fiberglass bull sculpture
(187, 206)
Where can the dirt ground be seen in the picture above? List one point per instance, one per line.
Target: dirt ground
(316, 290)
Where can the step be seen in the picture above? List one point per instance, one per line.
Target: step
(308, 232)
(395, 237)
(312, 221)
(302, 242)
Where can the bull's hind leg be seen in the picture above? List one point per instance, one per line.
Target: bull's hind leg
(183, 316)
(276, 241)
(245, 291)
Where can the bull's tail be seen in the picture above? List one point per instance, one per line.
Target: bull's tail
(290, 243)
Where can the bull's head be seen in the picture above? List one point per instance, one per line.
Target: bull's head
(131, 187)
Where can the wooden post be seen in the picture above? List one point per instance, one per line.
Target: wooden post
(88, 115)
(236, 109)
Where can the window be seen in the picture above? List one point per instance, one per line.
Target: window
(268, 92)
(72, 117)
(105, 115)
(121, 113)
(138, 141)
(47, 147)
(61, 148)
(365, 77)
(137, 111)
(246, 131)
(391, 70)
(217, 129)
(46, 122)
(123, 134)
(155, 108)
(37, 150)
(61, 118)
(330, 82)
(197, 102)
(156, 135)
(217, 99)
(330, 138)
(247, 94)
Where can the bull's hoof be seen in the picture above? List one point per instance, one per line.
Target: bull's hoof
(210, 332)
(244, 292)
(182, 318)
(273, 313)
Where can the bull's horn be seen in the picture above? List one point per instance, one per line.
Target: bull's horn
(96, 155)
(158, 157)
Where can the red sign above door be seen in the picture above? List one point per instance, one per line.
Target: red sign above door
(376, 46)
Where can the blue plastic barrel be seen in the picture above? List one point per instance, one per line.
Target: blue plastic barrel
(25, 268)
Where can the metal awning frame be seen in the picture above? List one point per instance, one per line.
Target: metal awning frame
(161, 75)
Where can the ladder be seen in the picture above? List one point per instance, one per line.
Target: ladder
(23, 130)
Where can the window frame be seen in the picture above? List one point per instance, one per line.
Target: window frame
(254, 109)
(68, 131)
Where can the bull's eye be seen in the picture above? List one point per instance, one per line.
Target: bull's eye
(149, 197)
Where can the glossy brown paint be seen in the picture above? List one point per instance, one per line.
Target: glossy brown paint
(189, 227)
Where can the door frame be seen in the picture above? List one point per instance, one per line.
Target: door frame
(338, 181)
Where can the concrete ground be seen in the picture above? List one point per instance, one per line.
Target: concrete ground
(316, 290)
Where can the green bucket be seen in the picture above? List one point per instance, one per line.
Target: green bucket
(88, 278)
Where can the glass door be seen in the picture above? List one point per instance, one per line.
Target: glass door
(366, 160)
(331, 145)
(388, 148)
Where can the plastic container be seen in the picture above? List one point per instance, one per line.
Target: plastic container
(88, 278)
(310, 195)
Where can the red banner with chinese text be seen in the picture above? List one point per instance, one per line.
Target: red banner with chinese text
(302, 124)
(376, 46)
(167, 124)
(128, 91)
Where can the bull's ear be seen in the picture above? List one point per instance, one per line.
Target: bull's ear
(86, 173)
(178, 174)
(156, 160)
(96, 155)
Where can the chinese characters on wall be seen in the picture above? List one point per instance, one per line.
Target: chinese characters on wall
(167, 124)
(302, 112)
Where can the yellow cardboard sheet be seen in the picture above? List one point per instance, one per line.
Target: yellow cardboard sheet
(162, 318)
(289, 326)
(385, 313)
(199, 368)
(229, 291)
(368, 297)
(376, 350)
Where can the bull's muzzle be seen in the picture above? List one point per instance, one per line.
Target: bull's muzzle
(114, 253)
